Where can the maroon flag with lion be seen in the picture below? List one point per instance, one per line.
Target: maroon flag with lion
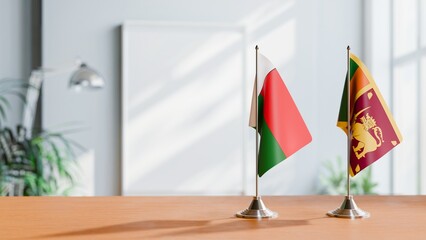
(373, 130)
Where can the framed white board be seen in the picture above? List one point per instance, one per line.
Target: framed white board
(183, 109)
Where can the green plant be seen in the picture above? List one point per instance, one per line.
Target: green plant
(333, 181)
(41, 164)
(35, 166)
(14, 88)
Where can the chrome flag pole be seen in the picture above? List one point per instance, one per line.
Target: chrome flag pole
(348, 209)
(257, 208)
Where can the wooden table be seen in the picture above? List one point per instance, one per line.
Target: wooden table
(300, 217)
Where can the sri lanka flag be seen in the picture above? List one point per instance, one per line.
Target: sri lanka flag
(281, 127)
(373, 130)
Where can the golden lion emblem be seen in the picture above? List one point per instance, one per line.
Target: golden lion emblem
(360, 131)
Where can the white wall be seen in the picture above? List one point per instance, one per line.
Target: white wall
(15, 48)
(305, 39)
(378, 54)
(395, 60)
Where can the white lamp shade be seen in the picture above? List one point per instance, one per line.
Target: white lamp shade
(86, 77)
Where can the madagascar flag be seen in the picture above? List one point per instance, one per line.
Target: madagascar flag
(281, 127)
(373, 130)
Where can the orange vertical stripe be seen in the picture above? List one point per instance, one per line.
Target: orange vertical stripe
(358, 81)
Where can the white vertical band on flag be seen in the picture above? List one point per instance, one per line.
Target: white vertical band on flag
(264, 68)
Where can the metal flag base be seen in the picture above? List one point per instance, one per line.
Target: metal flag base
(349, 209)
(257, 209)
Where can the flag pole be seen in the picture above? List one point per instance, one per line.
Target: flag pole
(348, 209)
(257, 208)
(348, 82)
(257, 124)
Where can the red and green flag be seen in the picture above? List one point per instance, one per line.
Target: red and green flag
(373, 130)
(281, 127)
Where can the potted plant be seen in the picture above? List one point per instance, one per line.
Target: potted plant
(40, 164)
(333, 181)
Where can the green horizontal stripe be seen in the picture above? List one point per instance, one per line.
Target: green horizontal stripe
(270, 153)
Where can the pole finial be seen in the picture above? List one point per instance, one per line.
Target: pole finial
(257, 47)
(349, 48)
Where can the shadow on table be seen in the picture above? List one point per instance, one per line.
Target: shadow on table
(129, 227)
(238, 225)
(199, 226)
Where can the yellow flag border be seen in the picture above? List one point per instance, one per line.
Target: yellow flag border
(371, 85)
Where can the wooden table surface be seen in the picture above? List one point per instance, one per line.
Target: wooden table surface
(300, 217)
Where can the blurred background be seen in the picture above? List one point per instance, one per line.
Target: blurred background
(172, 117)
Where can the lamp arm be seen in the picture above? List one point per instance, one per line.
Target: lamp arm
(33, 93)
(31, 101)
(47, 72)
(83, 77)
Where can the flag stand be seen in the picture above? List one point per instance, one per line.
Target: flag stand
(257, 208)
(348, 209)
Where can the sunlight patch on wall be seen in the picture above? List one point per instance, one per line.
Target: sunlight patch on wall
(266, 12)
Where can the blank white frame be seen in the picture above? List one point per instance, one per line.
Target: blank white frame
(139, 26)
